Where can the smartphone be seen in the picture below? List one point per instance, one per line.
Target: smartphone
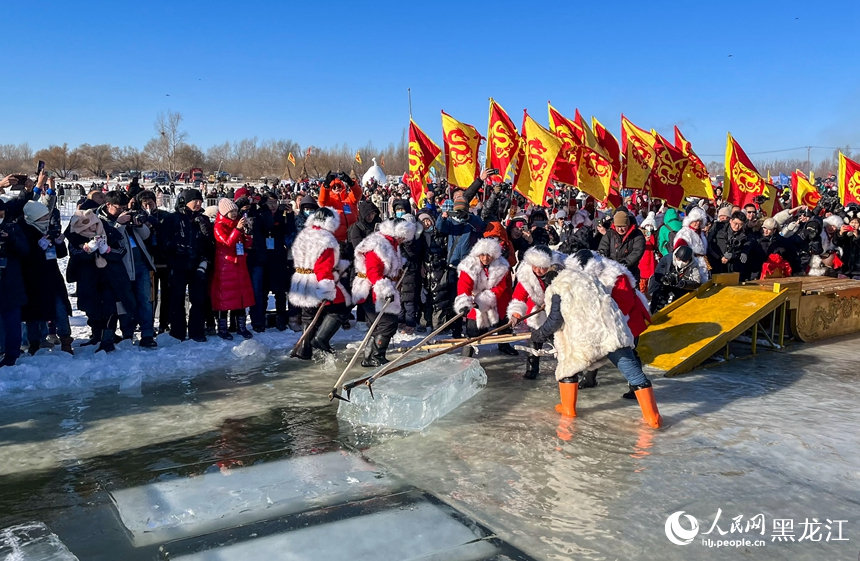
(493, 171)
(21, 178)
(41, 167)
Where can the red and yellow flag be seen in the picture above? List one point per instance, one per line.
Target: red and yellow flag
(609, 144)
(667, 173)
(696, 181)
(803, 192)
(358, 157)
(594, 173)
(503, 140)
(292, 159)
(543, 151)
(588, 138)
(637, 146)
(743, 183)
(848, 180)
(461, 151)
(571, 134)
(422, 152)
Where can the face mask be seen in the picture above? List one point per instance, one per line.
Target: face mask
(679, 264)
(307, 212)
(399, 214)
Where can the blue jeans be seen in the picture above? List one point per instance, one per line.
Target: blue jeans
(141, 286)
(625, 360)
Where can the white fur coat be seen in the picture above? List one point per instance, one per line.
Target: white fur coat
(306, 291)
(379, 245)
(699, 244)
(607, 271)
(593, 324)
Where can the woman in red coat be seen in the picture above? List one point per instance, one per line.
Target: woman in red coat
(231, 283)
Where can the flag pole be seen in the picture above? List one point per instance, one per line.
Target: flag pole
(409, 96)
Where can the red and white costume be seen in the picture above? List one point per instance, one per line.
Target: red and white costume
(378, 264)
(316, 255)
(620, 284)
(697, 241)
(486, 290)
(529, 293)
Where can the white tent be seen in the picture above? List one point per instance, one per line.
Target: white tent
(374, 172)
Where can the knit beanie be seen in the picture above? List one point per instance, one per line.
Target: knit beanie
(725, 211)
(621, 218)
(226, 205)
(460, 204)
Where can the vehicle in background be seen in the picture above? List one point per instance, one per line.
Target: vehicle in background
(162, 180)
(196, 176)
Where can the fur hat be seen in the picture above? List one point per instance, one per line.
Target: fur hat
(487, 246)
(579, 259)
(696, 214)
(538, 256)
(226, 205)
(650, 221)
(324, 218)
(399, 228)
(834, 221)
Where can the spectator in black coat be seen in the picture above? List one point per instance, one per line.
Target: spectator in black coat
(13, 248)
(267, 262)
(624, 243)
(729, 248)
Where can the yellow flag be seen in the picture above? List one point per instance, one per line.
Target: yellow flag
(542, 149)
(594, 173)
(461, 151)
(358, 157)
(292, 159)
(695, 178)
(639, 154)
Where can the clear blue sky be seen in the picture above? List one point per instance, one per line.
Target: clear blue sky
(323, 73)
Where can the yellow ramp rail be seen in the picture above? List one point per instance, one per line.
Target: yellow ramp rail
(695, 327)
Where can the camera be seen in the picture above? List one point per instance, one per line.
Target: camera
(138, 217)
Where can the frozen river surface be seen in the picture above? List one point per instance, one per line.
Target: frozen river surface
(769, 444)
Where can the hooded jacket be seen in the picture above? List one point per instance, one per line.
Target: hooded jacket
(665, 236)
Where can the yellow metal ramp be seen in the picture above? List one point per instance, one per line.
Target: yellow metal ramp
(695, 327)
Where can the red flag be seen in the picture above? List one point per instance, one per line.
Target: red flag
(503, 140)
(609, 143)
(667, 173)
(848, 180)
(744, 183)
(422, 152)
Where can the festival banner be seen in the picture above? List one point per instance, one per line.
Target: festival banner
(543, 155)
(609, 144)
(292, 159)
(422, 152)
(848, 180)
(590, 171)
(570, 133)
(637, 146)
(743, 183)
(461, 151)
(803, 192)
(594, 174)
(588, 138)
(667, 174)
(358, 157)
(503, 141)
(696, 181)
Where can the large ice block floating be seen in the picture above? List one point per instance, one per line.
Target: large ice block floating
(413, 398)
(32, 542)
(422, 531)
(192, 506)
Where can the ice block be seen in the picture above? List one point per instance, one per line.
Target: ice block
(32, 542)
(191, 506)
(413, 398)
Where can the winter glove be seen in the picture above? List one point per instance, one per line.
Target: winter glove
(464, 309)
(727, 256)
(103, 247)
(329, 177)
(347, 180)
(92, 246)
(44, 244)
(743, 258)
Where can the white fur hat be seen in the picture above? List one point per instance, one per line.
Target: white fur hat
(696, 214)
(650, 220)
(400, 228)
(487, 246)
(834, 221)
(538, 256)
(326, 218)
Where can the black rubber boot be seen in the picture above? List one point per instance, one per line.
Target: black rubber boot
(222, 330)
(630, 394)
(532, 367)
(376, 356)
(242, 328)
(589, 380)
(468, 351)
(33, 348)
(506, 348)
(281, 322)
(328, 327)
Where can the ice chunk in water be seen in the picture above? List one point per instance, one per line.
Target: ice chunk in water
(413, 398)
(32, 542)
(250, 348)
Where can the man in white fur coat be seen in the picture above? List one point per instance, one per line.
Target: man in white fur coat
(378, 266)
(316, 281)
(619, 282)
(587, 328)
(692, 235)
(484, 290)
(534, 273)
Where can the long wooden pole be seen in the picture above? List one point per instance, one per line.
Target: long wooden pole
(308, 331)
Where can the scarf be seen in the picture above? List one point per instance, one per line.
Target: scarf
(85, 223)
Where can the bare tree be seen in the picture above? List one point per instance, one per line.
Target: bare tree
(97, 159)
(169, 137)
(128, 158)
(15, 158)
(60, 160)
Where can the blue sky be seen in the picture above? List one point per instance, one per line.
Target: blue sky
(323, 73)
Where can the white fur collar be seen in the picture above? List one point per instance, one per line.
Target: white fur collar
(471, 265)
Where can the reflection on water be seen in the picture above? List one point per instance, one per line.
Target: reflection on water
(599, 486)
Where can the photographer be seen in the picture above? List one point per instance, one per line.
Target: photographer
(47, 299)
(159, 221)
(676, 274)
(624, 243)
(342, 194)
(848, 241)
(133, 227)
(271, 228)
(729, 248)
(13, 248)
(189, 250)
(231, 289)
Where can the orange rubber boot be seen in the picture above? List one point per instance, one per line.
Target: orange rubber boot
(645, 397)
(568, 391)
